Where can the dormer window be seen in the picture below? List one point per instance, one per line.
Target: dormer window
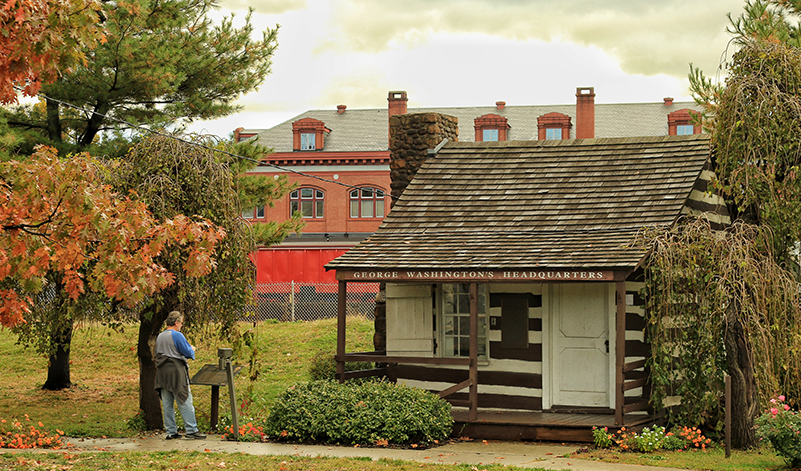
(307, 141)
(553, 133)
(308, 134)
(553, 126)
(683, 123)
(491, 127)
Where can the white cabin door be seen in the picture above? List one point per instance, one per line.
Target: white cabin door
(580, 358)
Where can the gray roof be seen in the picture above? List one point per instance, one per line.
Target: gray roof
(367, 129)
(535, 204)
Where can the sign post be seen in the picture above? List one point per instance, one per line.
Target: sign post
(219, 375)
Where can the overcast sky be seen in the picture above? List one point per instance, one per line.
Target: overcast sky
(477, 52)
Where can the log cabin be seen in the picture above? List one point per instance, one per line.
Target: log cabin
(513, 277)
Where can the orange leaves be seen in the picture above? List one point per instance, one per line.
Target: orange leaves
(42, 37)
(58, 216)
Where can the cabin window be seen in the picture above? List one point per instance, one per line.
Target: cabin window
(308, 202)
(367, 203)
(684, 129)
(456, 320)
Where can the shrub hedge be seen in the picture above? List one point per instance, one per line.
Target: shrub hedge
(375, 412)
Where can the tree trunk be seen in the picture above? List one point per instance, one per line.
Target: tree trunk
(93, 125)
(380, 323)
(149, 402)
(53, 121)
(58, 367)
(743, 382)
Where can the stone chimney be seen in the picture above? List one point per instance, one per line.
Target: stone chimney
(585, 113)
(410, 138)
(341, 108)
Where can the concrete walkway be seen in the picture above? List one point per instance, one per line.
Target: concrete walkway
(554, 456)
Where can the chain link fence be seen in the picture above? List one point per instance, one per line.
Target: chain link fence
(286, 302)
(291, 302)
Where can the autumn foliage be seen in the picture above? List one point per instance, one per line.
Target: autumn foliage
(42, 38)
(58, 215)
(23, 435)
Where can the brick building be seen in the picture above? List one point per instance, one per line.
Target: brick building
(343, 158)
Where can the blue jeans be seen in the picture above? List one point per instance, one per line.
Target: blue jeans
(187, 410)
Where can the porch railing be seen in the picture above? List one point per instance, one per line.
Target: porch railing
(381, 357)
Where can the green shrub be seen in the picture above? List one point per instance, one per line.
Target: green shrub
(375, 412)
(324, 367)
(650, 439)
(782, 427)
(602, 437)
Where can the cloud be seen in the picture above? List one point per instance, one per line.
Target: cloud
(646, 37)
(267, 7)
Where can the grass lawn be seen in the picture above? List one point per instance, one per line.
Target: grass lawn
(197, 461)
(105, 396)
(106, 374)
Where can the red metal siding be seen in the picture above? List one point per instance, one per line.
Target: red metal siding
(301, 265)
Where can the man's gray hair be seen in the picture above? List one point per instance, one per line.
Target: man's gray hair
(173, 317)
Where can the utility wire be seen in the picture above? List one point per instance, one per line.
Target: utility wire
(202, 146)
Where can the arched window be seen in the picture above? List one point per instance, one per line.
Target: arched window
(367, 203)
(307, 201)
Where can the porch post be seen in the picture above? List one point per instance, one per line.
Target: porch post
(341, 304)
(620, 346)
(473, 414)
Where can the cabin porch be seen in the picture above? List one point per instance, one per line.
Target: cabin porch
(543, 426)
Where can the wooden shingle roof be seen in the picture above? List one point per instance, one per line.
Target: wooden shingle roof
(535, 204)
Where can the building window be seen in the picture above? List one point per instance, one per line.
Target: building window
(367, 203)
(491, 127)
(308, 134)
(553, 133)
(456, 320)
(553, 126)
(254, 213)
(308, 202)
(684, 122)
(307, 141)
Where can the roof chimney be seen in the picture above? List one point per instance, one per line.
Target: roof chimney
(585, 113)
(500, 105)
(668, 100)
(341, 108)
(397, 103)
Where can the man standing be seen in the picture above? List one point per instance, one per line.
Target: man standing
(172, 377)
